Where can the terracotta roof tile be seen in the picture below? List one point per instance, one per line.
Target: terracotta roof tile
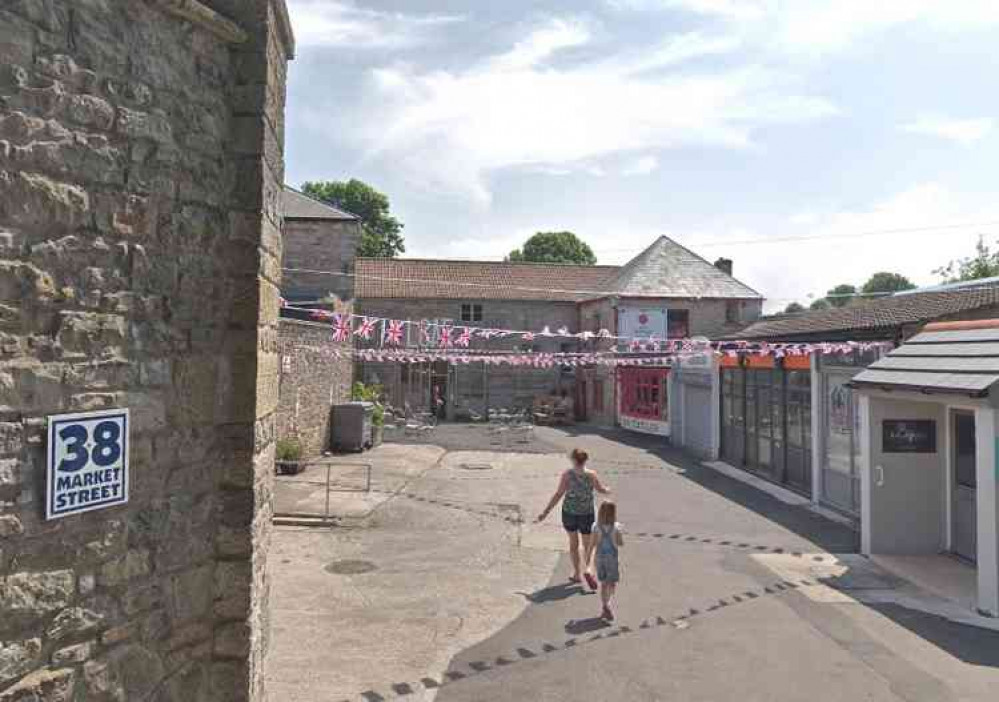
(437, 278)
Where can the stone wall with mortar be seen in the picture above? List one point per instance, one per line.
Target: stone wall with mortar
(140, 169)
(319, 245)
(313, 379)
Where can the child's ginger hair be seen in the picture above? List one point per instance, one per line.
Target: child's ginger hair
(607, 514)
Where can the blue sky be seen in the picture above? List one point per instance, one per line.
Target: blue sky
(715, 122)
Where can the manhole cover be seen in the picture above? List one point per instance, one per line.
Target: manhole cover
(476, 466)
(350, 567)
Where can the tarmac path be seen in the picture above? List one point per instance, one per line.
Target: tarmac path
(726, 594)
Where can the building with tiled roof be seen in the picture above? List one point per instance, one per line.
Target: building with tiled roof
(665, 291)
(890, 318)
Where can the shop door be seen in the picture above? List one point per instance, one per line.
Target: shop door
(697, 419)
(965, 512)
(733, 420)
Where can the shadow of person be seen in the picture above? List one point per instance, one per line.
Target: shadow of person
(585, 626)
(554, 593)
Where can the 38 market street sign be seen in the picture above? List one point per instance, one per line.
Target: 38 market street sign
(87, 466)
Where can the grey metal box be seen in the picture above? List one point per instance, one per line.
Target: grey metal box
(350, 426)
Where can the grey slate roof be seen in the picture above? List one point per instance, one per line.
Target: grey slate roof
(876, 318)
(667, 269)
(298, 205)
(960, 361)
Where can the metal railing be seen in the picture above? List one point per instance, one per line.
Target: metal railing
(329, 471)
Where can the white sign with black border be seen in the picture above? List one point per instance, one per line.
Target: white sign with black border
(87, 465)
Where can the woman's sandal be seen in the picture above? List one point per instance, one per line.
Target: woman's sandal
(590, 580)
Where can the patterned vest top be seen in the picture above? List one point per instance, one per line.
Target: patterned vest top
(579, 494)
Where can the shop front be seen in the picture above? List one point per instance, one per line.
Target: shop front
(766, 418)
(930, 478)
(643, 399)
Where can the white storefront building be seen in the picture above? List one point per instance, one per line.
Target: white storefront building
(929, 426)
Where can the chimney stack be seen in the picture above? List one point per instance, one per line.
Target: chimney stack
(724, 265)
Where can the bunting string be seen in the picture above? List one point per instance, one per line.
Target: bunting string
(445, 336)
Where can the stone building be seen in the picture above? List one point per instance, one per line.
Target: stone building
(141, 166)
(666, 281)
(317, 237)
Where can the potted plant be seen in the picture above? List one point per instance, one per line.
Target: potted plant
(377, 424)
(372, 394)
(288, 455)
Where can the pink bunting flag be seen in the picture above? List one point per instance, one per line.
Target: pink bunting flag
(342, 330)
(367, 327)
(394, 332)
(444, 341)
(464, 339)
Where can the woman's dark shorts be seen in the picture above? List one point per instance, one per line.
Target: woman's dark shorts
(583, 523)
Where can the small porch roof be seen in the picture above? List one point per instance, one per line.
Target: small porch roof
(949, 357)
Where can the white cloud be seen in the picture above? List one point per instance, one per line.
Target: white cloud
(963, 131)
(541, 44)
(822, 26)
(851, 244)
(641, 166)
(450, 128)
(337, 23)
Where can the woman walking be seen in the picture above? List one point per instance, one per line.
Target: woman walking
(576, 486)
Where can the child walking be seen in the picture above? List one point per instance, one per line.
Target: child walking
(607, 532)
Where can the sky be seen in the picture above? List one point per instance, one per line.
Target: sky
(796, 137)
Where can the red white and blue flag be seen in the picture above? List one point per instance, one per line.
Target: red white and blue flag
(342, 331)
(367, 327)
(394, 332)
(445, 337)
(465, 338)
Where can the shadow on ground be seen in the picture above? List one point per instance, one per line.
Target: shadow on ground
(973, 645)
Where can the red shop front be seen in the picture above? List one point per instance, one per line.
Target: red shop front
(643, 399)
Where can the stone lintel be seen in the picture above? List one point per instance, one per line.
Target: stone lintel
(193, 11)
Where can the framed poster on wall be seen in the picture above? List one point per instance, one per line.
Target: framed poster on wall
(909, 436)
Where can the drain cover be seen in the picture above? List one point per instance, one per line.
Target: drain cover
(350, 567)
(476, 466)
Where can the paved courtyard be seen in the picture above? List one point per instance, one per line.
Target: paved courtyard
(437, 585)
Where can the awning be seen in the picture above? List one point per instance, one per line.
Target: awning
(961, 361)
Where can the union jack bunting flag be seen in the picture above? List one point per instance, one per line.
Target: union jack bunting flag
(394, 332)
(367, 326)
(636, 344)
(445, 338)
(528, 336)
(342, 330)
(424, 334)
(465, 338)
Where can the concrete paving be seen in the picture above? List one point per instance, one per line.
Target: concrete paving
(448, 591)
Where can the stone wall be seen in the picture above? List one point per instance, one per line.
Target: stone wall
(140, 169)
(313, 379)
(322, 245)
(529, 315)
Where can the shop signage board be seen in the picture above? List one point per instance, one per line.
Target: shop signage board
(634, 322)
(909, 436)
(645, 426)
(87, 462)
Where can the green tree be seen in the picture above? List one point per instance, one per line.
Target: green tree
(984, 264)
(554, 247)
(820, 304)
(842, 295)
(381, 233)
(885, 282)
(794, 308)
